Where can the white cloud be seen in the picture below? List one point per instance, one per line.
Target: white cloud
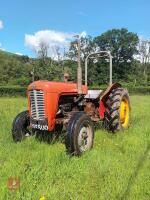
(1, 24)
(19, 54)
(83, 34)
(1, 48)
(51, 37)
(1, 27)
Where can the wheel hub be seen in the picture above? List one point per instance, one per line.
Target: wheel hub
(84, 138)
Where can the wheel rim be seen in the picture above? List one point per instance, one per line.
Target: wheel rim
(85, 138)
(124, 112)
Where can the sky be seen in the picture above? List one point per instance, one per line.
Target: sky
(23, 23)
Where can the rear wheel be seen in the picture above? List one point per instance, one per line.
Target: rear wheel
(80, 134)
(20, 128)
(117, 115)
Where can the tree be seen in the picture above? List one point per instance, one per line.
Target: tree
(46, 67)
(42, 64)
(87, 46)
(43, 51)
(123, 46)
(144, 50)
(144, 53)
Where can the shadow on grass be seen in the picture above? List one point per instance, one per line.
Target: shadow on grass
(135, 173)
(50, 137)
(58, 135)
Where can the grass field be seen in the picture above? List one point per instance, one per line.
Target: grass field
(117, 168)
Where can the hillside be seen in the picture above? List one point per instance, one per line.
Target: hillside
(14, 69)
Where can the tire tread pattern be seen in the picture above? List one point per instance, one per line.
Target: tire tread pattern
(112, 117)
(71, 132)
(19, 126)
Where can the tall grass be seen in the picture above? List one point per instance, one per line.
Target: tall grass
(118, 167)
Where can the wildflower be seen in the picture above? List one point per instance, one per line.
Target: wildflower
(42, 198)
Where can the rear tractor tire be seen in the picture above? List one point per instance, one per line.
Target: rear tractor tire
(20, 126)
(80, 134)
(118, 110)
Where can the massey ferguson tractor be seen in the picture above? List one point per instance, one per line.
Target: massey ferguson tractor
(75, 108)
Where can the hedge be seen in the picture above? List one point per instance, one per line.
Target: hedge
(139, 90)
(21, 91)
(12, 91)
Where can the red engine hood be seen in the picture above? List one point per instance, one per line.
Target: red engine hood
(56, 87)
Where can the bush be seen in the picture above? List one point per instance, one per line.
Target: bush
(12, 91)
(22, 81)
(139, 90)
(131, 89)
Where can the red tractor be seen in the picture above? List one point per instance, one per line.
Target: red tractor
(74, 108)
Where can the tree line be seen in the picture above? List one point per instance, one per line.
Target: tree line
(131, 61)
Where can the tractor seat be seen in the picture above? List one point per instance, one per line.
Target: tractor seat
(93, 94)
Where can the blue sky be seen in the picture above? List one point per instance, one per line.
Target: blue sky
(22, 17)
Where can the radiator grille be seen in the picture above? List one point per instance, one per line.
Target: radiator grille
(37, 104)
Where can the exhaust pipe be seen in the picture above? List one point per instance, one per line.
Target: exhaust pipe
(79, 69)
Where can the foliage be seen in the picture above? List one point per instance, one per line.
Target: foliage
(87, 46)
(17, 70)
(123, 46)
(12, 91)
(13, 67)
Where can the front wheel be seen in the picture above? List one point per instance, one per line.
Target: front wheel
(20, 126)
(80, 134)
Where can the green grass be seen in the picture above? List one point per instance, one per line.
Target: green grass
(118, 167)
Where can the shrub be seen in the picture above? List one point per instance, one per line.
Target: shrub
(12, 91)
